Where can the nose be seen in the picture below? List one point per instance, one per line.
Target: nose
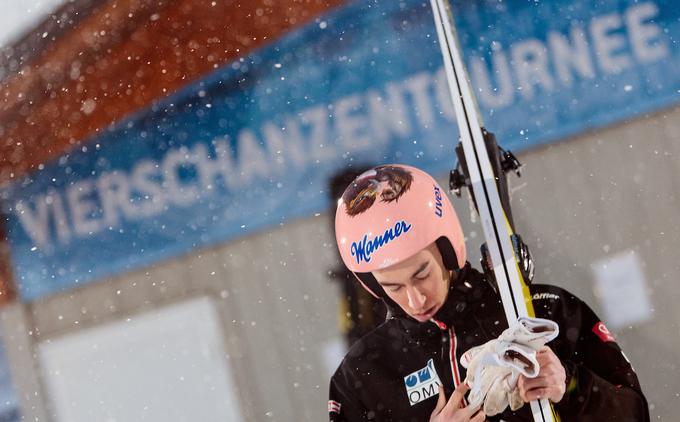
(416, 299)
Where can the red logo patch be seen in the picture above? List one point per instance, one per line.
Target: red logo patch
(334, 406)
(602, 332)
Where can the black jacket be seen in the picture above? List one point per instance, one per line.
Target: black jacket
(387, 370)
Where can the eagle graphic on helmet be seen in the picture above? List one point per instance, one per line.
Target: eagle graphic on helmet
(388, 182)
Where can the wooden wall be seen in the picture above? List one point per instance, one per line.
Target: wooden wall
(122, 57)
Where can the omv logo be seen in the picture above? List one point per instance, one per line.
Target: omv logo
(422, 384)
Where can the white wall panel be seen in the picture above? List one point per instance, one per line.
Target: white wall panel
(162, 365)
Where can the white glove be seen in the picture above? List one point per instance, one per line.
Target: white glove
(502, 391)
(492, 375)
(518, 344)
(494, 367)
(531, 332)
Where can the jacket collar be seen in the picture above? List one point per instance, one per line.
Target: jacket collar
(468, 288)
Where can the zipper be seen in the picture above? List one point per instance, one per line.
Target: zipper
(452, 357)
(449, 346)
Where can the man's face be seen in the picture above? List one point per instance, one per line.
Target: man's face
(419, 285)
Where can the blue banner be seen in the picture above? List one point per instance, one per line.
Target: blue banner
(547, 69)
(254, 144)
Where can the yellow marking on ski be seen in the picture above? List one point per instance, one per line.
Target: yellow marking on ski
(556, 415)
(525, 288)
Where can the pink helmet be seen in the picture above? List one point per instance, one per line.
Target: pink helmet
(388, 214)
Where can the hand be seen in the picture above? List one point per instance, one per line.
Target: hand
(454, 410)
(550, 382)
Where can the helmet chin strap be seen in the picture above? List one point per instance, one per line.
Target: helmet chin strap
(369, 283)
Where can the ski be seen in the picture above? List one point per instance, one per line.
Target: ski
(478, 157)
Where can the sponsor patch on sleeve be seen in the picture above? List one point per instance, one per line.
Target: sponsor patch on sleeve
(541, 296)
(334, 406)
(602, 332)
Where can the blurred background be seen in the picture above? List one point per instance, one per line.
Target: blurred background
(169, 170)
